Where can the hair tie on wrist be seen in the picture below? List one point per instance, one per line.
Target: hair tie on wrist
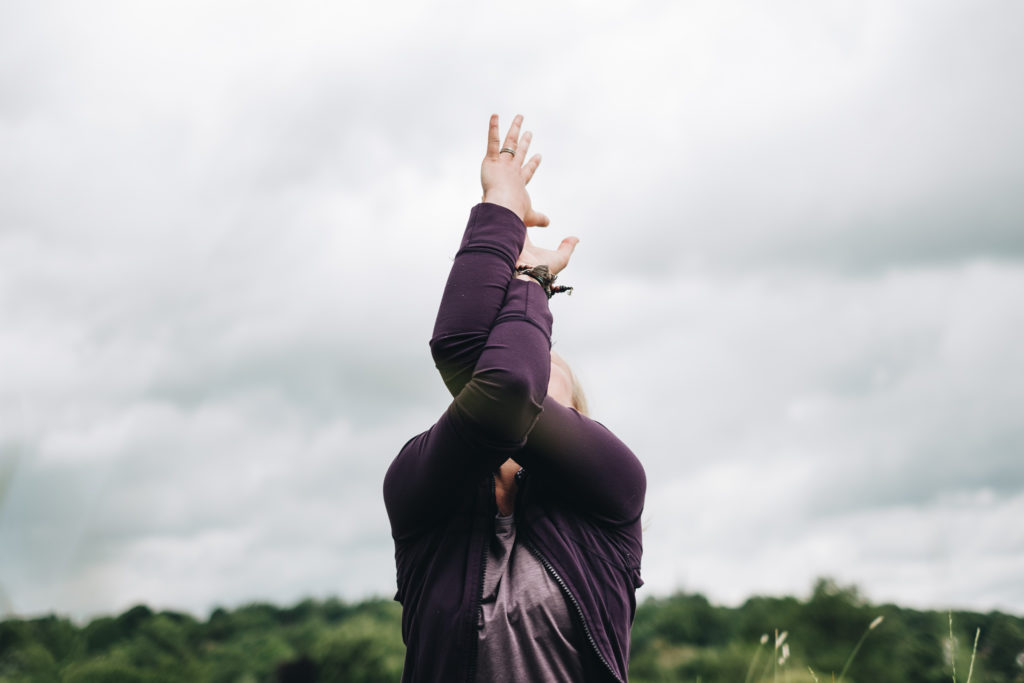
(542, 274)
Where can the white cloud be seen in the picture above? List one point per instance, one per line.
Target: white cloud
(797, 425)
(224, 232)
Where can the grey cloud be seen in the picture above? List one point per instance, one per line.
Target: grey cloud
(898, 152)
(218, 270)
(366, 385)
(947, 461)
(884, 397)
(177, 479)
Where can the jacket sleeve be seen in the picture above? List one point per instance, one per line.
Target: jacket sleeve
(475, 291)
(486, 423)
(586, 463)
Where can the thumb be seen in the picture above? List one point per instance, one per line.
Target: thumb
(535, 219)
(567, 246)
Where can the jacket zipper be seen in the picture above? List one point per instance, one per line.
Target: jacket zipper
(475, 640)
(579, 611)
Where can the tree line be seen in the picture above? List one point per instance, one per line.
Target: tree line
(681, 637)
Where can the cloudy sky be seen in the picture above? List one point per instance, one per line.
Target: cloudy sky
(225, 226)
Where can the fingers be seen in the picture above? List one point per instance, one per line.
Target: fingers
(535, 219)
(512, 139)
(530, 168)
(493, 138)
(524, 146)
(568, 246)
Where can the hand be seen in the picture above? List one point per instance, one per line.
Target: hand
(556, 260)
(504, 176)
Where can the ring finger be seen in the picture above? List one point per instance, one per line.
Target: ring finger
(512, 139)
(524, 147)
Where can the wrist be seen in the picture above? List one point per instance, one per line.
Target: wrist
(542, 276)
(526, 278)
(505, 201)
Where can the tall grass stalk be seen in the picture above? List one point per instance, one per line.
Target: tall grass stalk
(974, 651)
(849, 660)
(952, 646)
(780, 639)
(757, 656)
(773, 662)
(775, 656)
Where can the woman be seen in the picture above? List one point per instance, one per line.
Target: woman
(516, 519)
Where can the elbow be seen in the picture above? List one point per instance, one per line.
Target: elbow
(442, 349)
(502, 405)
(454, 357)
(637, 479)
(640, 497)
(512, 390)
(457, 348)
(512, 385)
(631, 492)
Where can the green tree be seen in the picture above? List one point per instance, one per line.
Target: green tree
(102, 634)
(105, 670)
(360, 650)
(764, 615)
(1001, 645)
(59, 636)
(28, 663)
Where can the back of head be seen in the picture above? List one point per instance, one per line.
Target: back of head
(579, 398)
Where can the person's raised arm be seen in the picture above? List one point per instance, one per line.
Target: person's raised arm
(487, 422)
(485, 262)
(500, 352)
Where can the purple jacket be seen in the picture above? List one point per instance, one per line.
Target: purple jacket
(580, 495)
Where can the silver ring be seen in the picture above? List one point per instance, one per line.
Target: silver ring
(509, 150)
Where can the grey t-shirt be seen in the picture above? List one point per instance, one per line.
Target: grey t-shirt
(526, 632)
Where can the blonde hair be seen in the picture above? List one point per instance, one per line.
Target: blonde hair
(578, 398)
